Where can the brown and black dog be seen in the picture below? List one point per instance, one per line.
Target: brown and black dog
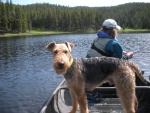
(87, 73)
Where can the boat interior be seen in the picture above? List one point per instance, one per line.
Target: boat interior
(107, 100)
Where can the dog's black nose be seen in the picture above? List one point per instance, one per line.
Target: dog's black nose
(60, 65)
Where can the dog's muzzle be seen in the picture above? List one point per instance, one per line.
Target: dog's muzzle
(60, 65)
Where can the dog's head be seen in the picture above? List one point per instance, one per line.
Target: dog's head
(62, 57)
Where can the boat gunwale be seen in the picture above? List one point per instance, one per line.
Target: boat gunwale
(51, 96)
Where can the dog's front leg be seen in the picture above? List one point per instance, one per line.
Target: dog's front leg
(82, 102)
(74, 101)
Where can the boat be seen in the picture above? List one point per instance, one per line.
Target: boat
(108, 102)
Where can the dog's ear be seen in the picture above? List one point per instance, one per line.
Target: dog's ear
(51, 46)
(69, 45)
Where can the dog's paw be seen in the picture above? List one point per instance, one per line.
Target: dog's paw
(72, 111)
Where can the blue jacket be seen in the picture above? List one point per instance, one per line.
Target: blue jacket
(112, 48)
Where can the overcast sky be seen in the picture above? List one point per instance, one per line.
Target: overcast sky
(72, 3)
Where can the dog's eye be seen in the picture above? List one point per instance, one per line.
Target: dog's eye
(65, 51)
(55, 52)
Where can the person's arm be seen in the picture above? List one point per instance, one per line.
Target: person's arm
(117, 51)
(114, 49)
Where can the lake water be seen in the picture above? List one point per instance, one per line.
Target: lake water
(27, 78)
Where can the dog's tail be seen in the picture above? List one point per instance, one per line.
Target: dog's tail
(138, 72)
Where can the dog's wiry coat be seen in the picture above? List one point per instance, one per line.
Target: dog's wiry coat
(86, 73)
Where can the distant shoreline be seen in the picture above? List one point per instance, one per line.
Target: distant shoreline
(41, 32)
(33, 33)
(134, 31)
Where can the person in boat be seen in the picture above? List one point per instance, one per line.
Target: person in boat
(106, 43)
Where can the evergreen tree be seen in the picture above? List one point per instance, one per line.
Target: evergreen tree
(18, 19)
(8, 13)
(4, 20)
(0, 16)
(24, 22)
(12, 16)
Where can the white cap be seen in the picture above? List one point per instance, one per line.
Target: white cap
(111, 24)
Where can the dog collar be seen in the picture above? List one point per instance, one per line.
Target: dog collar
(71, 61)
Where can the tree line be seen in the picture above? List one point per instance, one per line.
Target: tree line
(12, 18)
(20, 18)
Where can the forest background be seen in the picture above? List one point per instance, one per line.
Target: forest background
(22, 18)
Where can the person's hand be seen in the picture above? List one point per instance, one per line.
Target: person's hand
(129, 54)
